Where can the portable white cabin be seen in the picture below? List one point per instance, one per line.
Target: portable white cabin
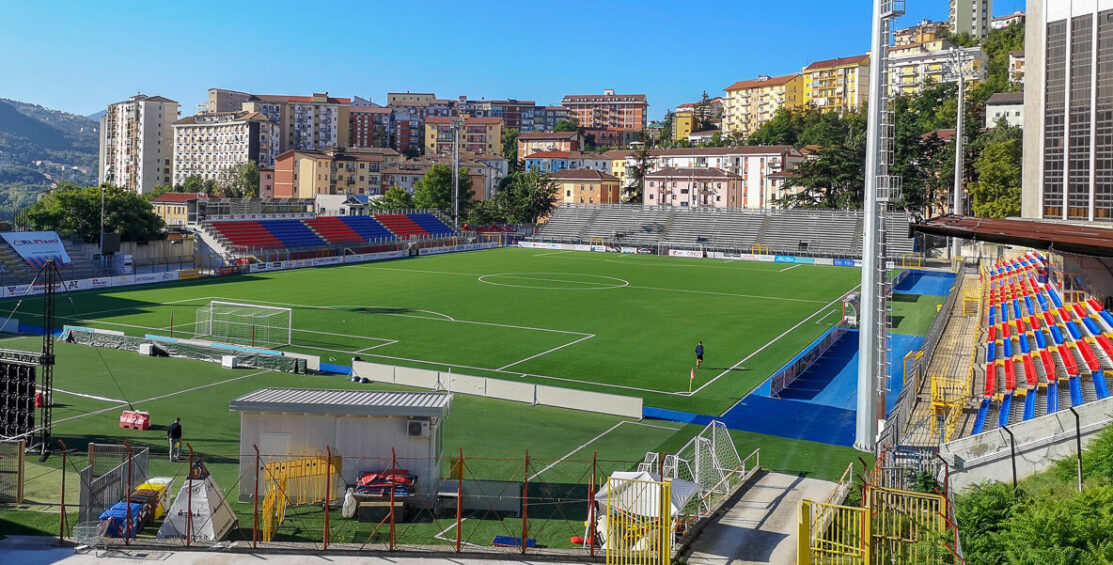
(361, 426)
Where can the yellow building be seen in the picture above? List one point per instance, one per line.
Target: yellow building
(917, 65)
(618, 163)
(482, 136)
(173, 207)
(683, 124)
(837, 85)
(751, 103)
(305, 174)
(586, 186)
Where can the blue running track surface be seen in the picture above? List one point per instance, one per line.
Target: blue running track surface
(928, 283)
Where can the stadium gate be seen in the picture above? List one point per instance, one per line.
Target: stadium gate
(11, 471)
(639, 522)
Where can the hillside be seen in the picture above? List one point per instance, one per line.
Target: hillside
(39, 147)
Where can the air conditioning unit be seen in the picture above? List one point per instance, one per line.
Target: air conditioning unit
(417, 428)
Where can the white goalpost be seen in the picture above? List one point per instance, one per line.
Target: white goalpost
(245, 324)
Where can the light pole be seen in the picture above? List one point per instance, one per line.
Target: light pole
(103, 189)
(958, 67)
(456, 124)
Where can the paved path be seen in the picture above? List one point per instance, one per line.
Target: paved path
(761, 527)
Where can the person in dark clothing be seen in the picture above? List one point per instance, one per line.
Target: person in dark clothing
(174, 434)
(699, 354)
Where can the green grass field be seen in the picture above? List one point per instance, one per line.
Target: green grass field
(620, 324)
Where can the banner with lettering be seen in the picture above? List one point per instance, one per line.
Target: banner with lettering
(37, 247)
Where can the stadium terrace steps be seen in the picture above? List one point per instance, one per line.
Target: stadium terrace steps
(432, 224)
(367, 227)
(811, 232)
(247, 234)
(293, 234)
(333, 230)
(401, 225)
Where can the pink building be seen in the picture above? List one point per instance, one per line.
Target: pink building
(693, 187)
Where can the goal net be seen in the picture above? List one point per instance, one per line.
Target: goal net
(245, 324)
(711, 461)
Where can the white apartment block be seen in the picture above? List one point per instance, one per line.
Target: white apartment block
(307, 122)
(755, 164)
(209, 145)
(913, 67)
(1005, 105)
(136, 149)
(971, 17)
(1006, 21)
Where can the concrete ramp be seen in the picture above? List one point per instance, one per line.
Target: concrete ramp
(760, 527)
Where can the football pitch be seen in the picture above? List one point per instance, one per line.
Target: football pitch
(622, 324)
(612, 323)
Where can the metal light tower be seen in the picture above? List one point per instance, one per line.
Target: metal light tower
(880, 188)
(457, 123)
(958, 67)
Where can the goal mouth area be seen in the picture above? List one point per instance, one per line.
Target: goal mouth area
(245, 324)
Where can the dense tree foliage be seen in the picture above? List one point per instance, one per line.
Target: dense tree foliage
(434, 190)
(72, 209)
(996, 193)
(396, 198)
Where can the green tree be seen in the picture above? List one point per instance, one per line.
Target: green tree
(567, 124)
(485, 212)
(526, 197)
(73, 209)
(242, 181)
(396, 198)
(643, 162)
(379, 137)
(510, 148)
(411, 152)
(996, 192)
(666, 129)
(703, 112)
(434, 190)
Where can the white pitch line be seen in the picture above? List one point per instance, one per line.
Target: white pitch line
(529, 278)
(94, 397)
(390, 342)
(161, 397)
(762, 348)
(595, 439)
(548, 253)
(790, 268)
(585, 338)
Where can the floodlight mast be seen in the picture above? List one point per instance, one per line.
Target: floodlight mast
(881, 187)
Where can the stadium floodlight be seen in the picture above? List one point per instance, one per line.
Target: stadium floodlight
(245, 324)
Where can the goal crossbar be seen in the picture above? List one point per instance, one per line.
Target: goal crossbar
(239, 322)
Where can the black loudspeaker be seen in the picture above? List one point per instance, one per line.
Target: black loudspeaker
(110, 242)
(17, 399)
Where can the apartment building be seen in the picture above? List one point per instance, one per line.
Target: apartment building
(369, 126)
(484, 175)
(305, 122)
(713, 113)
(530, 143)
(689, 187)
(1016, 67)
(513, 112)
(586, 186)
(1008, 106)
(618, 158)
(608, 110)
(136, 150)
(837, 85)
(750, 103)
(1015, 18)
(477, 135)
(305, 174)
(913, 67)
(409, 110)
(757, 165)
(925, 30)
(1068, 146)
(543, 118)
(209, 146)
(553, 161)
(173, 207)
(970, 17)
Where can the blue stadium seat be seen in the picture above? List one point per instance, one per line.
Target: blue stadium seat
(983, 413)
(431, 224)
(293, 233)
(367, 227)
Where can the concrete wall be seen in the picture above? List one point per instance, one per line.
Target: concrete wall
(517, 391)
(1039, 442)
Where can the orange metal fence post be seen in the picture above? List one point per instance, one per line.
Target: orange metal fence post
(189, 498)
(328, 487)
(255, 498)
(393, 471)
(459, 498)
(127, 500)
(525, 504)
(62, 514)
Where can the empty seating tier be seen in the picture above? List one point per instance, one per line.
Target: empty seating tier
(432, 224)
(293, 234)
(367, 227)
(401, 225)
(247, 234)
(333, 230)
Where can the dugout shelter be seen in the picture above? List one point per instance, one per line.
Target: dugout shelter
(360, 426)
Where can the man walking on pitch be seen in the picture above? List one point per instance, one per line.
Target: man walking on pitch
(174, 434)
(699, 354)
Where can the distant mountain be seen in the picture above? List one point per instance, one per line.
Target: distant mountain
(97, 116)
(40, 147)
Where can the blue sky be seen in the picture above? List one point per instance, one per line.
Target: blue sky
(81, 56)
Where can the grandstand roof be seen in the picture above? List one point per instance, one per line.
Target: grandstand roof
(343, 402)
(1083, 239)
(177, 197)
